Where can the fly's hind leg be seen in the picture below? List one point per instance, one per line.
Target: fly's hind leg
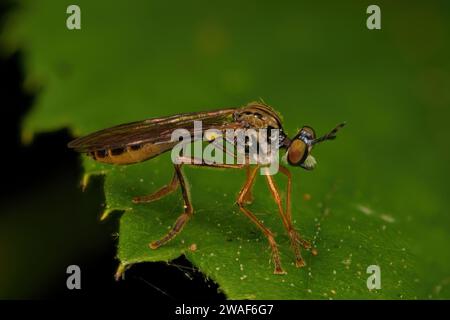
(269, 235)
(188, 210)
(164, 191)
(183, 218)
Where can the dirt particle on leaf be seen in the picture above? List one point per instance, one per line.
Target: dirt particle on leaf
(347, 262)
(364, 209)
(387, 218)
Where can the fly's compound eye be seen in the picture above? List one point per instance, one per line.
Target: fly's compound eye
(296, 152)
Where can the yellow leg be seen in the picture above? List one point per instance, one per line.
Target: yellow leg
(269, 235)
(183, 218)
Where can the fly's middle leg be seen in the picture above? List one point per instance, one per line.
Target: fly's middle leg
(248, 197)
(269, 235)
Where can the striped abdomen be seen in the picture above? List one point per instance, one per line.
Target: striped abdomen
(129, 154)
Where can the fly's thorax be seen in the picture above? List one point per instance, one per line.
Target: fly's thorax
(257, 116)
(261, 117)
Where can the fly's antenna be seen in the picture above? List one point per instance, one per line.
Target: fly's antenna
(330, 135)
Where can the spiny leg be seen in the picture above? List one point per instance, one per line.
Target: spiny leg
(287, 220)
(241, 202)
(183, 218)
(248, 197)
(188, 210)
(164, 191)
(287, 173)
(299, 262)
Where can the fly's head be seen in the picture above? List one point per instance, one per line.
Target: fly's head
(300, 147)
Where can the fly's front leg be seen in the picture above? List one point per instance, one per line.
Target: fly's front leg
(286, 217)
(243, 194)
(183, 218)
(306, 244)
(269, 235)
(164, 191)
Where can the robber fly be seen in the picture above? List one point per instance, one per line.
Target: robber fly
(139, 141)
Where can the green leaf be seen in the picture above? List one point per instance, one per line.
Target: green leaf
(377, 194)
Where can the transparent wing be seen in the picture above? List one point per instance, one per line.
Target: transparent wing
(155, 131)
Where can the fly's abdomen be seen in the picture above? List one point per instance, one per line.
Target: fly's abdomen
(129, 154)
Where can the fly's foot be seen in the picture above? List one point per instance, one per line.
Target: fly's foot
(248, 198)
(296, 240)
(154, 245)
(300, 263)
(279, 270)
(304, 243)
(308, 246)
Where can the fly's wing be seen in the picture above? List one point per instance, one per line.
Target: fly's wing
(155, 131)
